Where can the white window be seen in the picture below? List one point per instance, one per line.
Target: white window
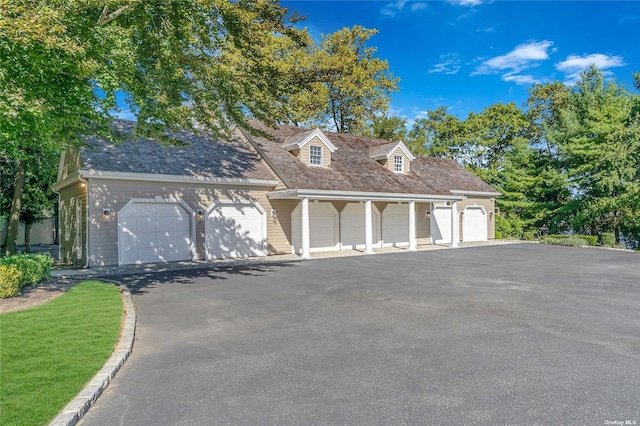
(315, 155)
(398, 164)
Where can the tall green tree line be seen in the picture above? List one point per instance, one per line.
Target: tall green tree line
(569, 162)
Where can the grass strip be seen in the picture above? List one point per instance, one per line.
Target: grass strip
(49, 352)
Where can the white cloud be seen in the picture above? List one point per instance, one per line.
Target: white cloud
(574, 65)
(486, 30)
(522, 57)
(466, 3)
(449, 64)
(394, 8)
(418, 6)
(520, 79)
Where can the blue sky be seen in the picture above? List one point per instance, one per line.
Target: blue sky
(469, 54)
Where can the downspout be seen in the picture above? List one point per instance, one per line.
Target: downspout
(86, 221)
(58, 227)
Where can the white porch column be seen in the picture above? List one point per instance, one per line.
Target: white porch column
(368, 228)
(412, 226)
(305, 229)
(455, 225)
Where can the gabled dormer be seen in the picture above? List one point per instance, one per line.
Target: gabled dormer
(395, 156)
(312, 147)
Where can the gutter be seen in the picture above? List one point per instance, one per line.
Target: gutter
(86, 221)
(476, 193)
(152, 177)
(355, 195)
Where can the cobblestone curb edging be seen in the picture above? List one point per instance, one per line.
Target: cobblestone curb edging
(73, 412)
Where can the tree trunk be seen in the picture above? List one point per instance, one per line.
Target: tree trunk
(27, 238)
(16, 206)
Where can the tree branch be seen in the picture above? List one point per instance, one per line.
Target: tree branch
(106, 17)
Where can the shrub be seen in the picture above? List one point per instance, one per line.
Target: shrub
(563, 240)
(498, 235)
(10, 278)
(33, 267)
(591, 240)
(608, 239)
(528, 236)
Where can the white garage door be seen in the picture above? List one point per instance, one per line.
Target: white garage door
(235, 230)
(395, 225)
(441, 225)
(352, 226)
(474, 224)
(323, 227)
(154, 232)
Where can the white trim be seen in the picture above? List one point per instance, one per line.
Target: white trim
(314, 133)
(70, 180)
(377, 225)
(237, 203)
(322, 194)
(61, 165)
(475, 206)
(475, 193)
(311, 163)
(151, 177)
(390, 152)
(395, 157)
(158, 200)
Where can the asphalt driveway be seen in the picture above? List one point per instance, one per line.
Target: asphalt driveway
(517, 334)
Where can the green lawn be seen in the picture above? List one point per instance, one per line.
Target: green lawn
(49, 352)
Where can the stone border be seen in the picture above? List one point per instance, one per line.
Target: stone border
(78, 407)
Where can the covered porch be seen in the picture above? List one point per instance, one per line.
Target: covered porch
(343, 220)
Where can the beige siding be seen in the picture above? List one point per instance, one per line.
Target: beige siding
(303, 154)
(405, 159)
(279, 228)
(489, 206)
(423, 224)
(73, 239)
(115, 194)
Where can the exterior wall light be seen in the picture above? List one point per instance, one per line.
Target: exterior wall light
(200, 215)
(106, 215)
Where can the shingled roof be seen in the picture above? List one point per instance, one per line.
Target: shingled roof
(352, 168)
(200, 156)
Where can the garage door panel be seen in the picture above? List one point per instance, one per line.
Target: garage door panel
(154, 232)
(352, 226)
(441, 225)
(235, 231)
(474, 224)
(395, 225)
(323, 228)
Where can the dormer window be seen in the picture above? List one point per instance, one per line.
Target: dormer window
(398, 163)
(312, 147)
(394, 156)
(315, 155)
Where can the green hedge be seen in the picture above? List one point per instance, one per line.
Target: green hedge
(608, 239)
(564, 240)
(590, 240)
(30, 268)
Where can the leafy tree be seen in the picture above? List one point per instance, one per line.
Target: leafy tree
(487, 138)
(599, 143)
(389, 127)
(437, 135)
(197, 65)
(361, 89)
